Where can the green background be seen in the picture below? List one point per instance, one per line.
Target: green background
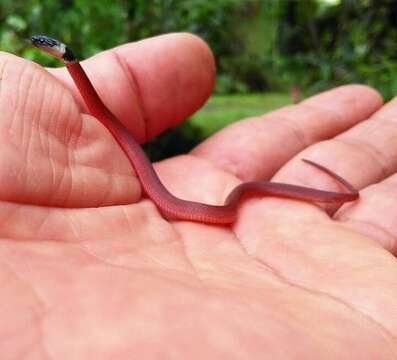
(263, 49)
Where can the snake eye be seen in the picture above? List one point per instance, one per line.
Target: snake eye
(44, 41)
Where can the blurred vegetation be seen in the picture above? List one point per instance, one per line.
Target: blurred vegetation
(223, 109)
(260, 46)
(219, 111)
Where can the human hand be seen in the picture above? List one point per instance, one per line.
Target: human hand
(90, 269)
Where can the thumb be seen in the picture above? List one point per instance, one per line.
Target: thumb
(153, 84)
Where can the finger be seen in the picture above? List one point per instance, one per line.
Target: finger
(153, 84)
(256, 148)
(308, 250)
(375, 214)
(52, 156)
(364, 154)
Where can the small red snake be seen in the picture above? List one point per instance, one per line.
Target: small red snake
(171, 206)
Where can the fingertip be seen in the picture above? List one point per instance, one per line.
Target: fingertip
(351, 96)
(17, 65)
(174, 74)
(23, 82)
(203, 54)
(368, 92)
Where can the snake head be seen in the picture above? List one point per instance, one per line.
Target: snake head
(53, 47)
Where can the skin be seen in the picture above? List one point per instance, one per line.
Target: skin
(172, 207)
(286, 281)
(180, 209)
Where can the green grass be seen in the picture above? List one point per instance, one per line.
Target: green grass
(218, 112)
(221, 110)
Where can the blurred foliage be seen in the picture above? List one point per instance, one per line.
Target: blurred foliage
(258, 45)
(219, 111)
(223, 109)
(267, 45)
(89, 25)
(345, 42)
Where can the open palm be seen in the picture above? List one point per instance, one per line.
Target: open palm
(90, 268)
